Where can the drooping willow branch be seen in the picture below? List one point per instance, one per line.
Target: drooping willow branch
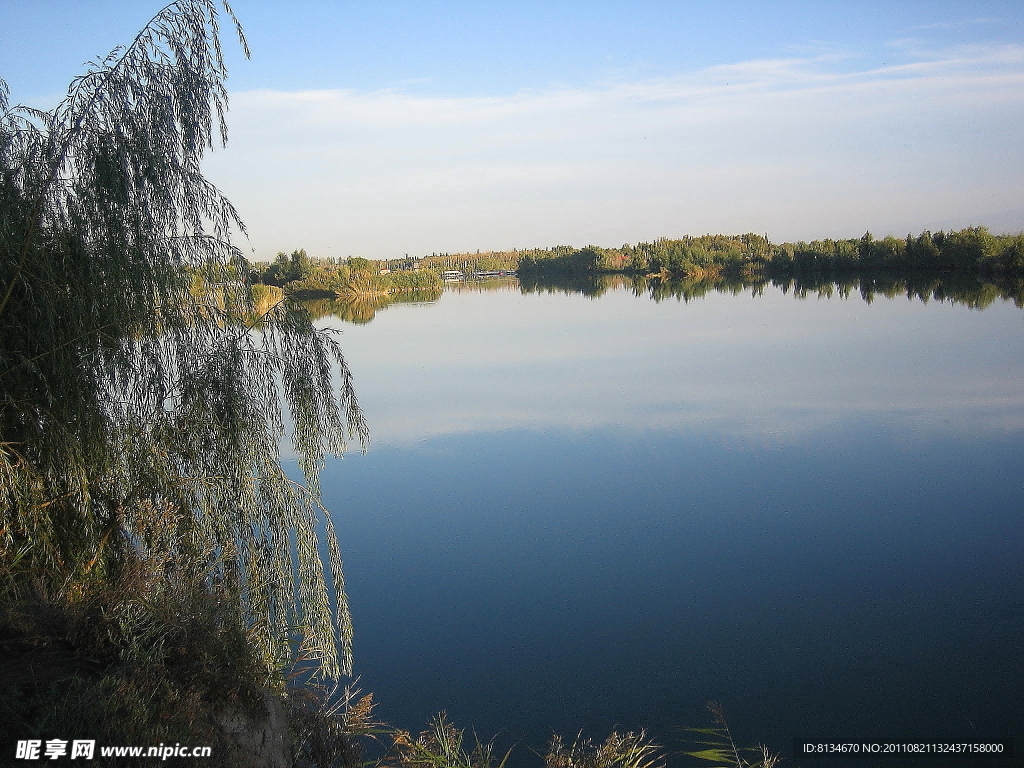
(134, 378)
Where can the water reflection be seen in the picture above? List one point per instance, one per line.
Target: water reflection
(362, 308)
(585, 508)
(744, 362)
(529, 581)
(956, 288)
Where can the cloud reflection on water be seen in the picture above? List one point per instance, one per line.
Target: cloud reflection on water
(768, 369)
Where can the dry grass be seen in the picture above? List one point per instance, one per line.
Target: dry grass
(619, 750)
(442, 745)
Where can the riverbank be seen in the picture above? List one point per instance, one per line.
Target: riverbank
(973, 249)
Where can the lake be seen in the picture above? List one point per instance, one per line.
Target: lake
(594, 512)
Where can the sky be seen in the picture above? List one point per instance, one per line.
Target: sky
(380, 129)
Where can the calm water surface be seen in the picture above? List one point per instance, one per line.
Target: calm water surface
(584, 513)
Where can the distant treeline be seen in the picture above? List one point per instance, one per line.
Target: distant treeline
(704, 263)
(299, 273)
(974, 249)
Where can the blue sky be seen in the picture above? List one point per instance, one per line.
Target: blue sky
(385, 128)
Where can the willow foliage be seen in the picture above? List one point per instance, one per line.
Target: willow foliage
(137, 382)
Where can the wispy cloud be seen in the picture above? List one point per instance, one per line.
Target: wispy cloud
(768, 144)
(958, 23)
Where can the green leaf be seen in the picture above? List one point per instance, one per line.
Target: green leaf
(715, 755)
(709, 731)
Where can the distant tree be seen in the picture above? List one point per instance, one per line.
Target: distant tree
(969, 247)
(359, 264)
(278, 272)
(865, 249)
(889, 251)
(845, 253)
(922, 251)
(300, 266)
(1012, 256)
(134, 392)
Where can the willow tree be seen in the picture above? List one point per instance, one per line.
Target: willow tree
(142, 398)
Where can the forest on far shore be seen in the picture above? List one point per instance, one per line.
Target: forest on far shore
(973, 248)
(971, 265)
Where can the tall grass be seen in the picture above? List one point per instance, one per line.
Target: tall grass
(720, 748)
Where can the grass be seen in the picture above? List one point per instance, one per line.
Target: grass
(142, 657)
(442, 745)
(720, 748)
(619, 750)
(335, 736)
